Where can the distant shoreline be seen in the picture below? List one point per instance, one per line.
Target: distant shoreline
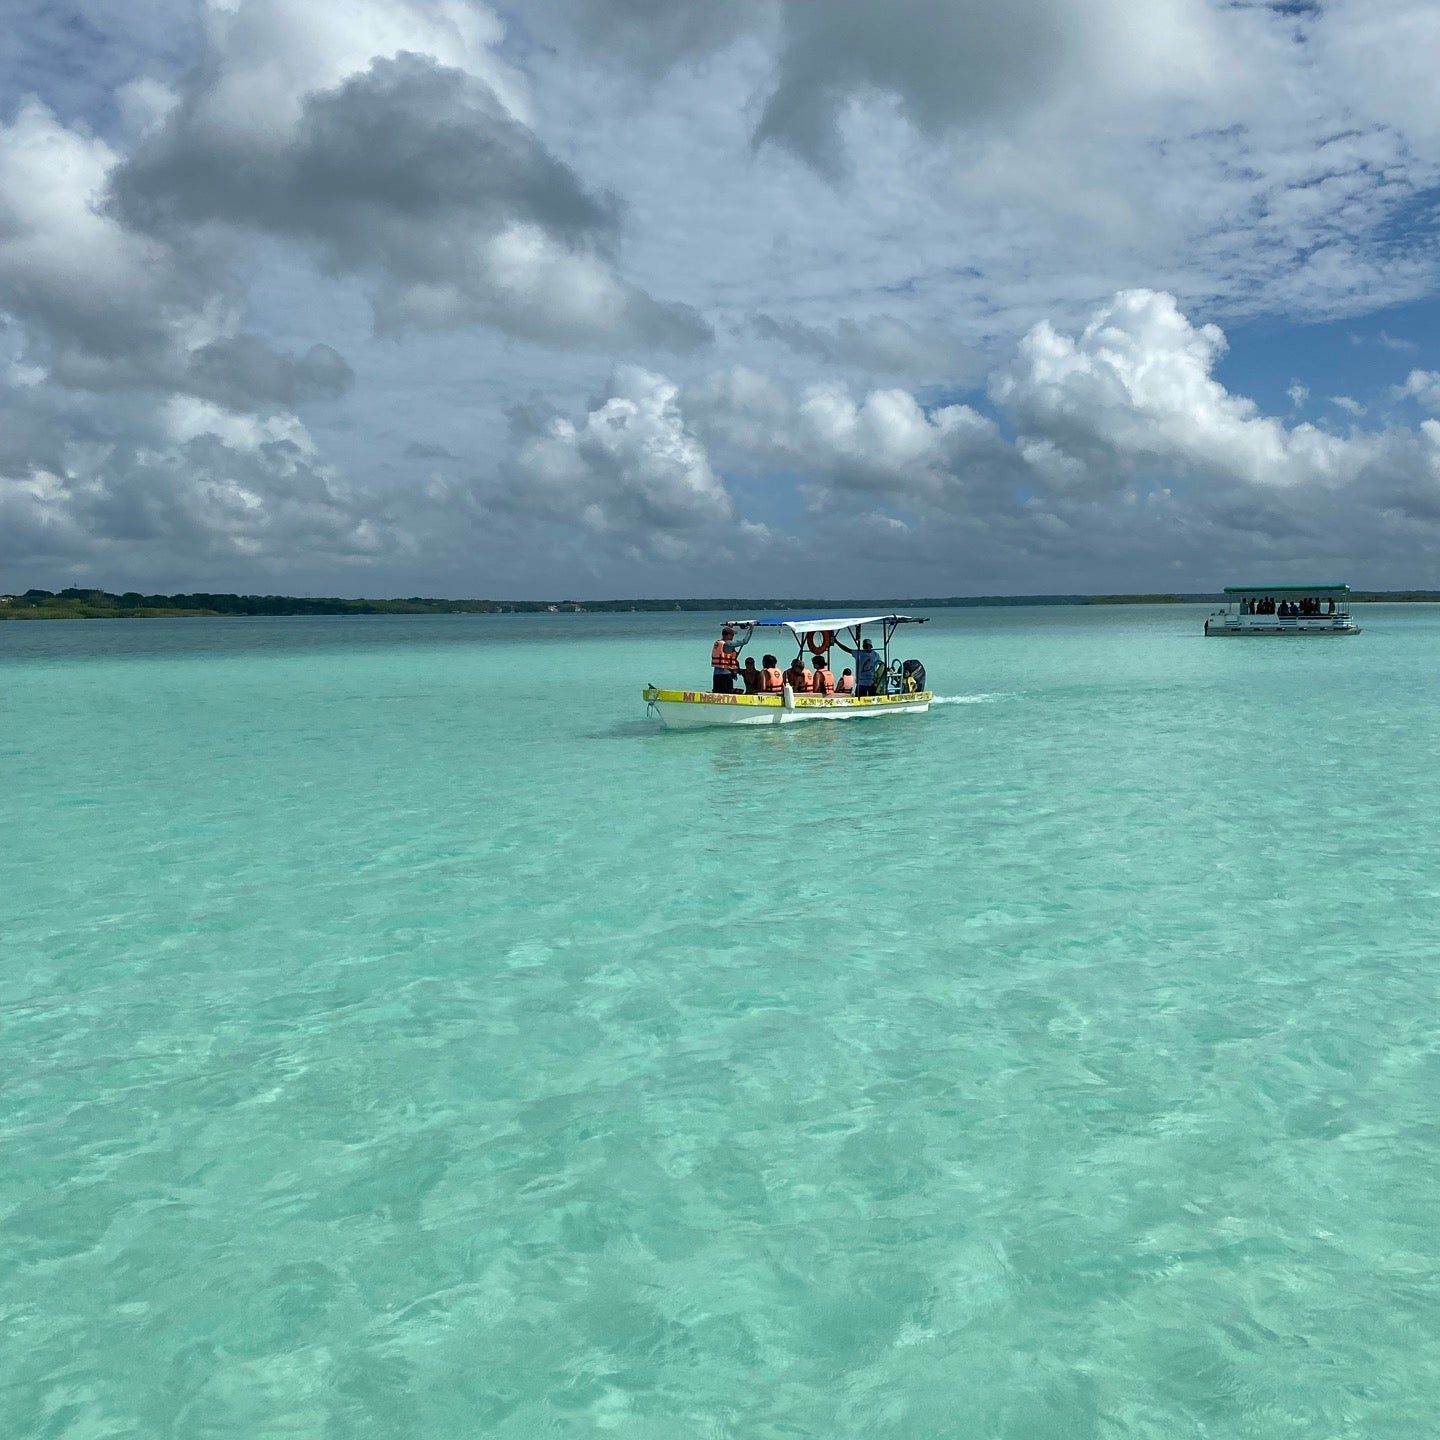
(76, 604)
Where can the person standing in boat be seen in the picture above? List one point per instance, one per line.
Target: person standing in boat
(724, 662)
(867, 666)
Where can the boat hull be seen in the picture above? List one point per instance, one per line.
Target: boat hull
(1291, 628)
(694, 709)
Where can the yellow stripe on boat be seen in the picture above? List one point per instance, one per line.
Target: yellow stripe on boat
(689, 709)
(802, 702)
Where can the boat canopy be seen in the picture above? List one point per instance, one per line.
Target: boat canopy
(800, 625)
(1287, 589)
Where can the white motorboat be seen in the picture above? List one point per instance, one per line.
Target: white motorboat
(899, 689)
(1284, 610)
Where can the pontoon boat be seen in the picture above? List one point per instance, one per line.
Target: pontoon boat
(1284, 610)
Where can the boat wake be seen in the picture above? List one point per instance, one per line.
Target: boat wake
(988, 699)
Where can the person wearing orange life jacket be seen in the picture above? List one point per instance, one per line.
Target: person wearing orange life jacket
(772, 682)
(845, 685)
(724, 662)
(822, 682)
(797, 677)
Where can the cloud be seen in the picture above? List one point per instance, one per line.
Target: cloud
(883, 443)
(1423, 386)
(654, 35)
(411, 172)
(1116, 445)
(953, 65)
(1136, 386)
(215, 207)
(223, 493)
(1384, 339)
(103, 307)
(425, 450)
(886, 443)
(630, 470)
(945, 65)
(881, 343)
(990, 164)
(92, 290)
(242, 370)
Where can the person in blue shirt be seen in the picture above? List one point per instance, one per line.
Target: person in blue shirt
(867, 666)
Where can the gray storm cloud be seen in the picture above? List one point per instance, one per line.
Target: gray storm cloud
(947, 65)
(416, 176)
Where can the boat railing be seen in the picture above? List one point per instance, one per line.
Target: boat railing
(1283, 619)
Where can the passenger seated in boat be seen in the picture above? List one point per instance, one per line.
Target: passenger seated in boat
(752, 677)
(773, 682)
(796, 675)
(845, 685)
(822, 682)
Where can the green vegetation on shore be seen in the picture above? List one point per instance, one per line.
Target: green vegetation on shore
(77, 604)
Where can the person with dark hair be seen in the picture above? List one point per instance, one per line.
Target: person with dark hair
(868, 661)
(751, 676)
(724, 663)
(845, 685)
(797, 677)
(822, 682)
(772, 680)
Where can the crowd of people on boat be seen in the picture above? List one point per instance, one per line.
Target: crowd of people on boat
(767, 678)
(1287, 609)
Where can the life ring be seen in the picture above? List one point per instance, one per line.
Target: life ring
(820, 641)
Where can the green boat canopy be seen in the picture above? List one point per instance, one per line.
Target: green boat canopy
(1287, 589)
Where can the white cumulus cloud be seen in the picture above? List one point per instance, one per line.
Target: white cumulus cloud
(631, 468)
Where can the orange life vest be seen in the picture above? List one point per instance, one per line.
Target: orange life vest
(724, 657)
(844, 685)
(773, 680)
(822, 681)
(799, 681)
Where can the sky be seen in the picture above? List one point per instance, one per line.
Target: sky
(601, 298)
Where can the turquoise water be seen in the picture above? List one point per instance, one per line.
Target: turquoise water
(402, 1037)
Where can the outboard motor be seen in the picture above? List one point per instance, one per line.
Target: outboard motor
(912, 676)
